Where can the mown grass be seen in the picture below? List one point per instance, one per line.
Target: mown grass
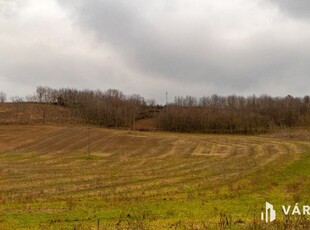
(149, 180)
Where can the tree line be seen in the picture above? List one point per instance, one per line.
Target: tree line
(234, 114)
(208, 114)
(110, 108)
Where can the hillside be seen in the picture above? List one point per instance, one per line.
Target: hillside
(35, 113)
(155, 180)
(113, 109)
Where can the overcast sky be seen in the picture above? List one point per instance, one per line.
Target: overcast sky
(148, 47)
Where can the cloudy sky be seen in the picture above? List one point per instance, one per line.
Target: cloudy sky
(148, 47)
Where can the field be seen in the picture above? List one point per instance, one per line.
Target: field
(148, 180)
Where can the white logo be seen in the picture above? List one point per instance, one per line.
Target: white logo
(270, 214)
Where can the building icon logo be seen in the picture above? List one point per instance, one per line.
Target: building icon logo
(270, 214)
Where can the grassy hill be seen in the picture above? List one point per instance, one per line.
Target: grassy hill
(146, 180)
(35, 113)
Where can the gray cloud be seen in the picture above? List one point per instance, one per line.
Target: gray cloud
(296, 8)
(185, 47)
(38, 46)
(188, 47)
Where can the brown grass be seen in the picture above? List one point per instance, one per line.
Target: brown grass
(49, 164)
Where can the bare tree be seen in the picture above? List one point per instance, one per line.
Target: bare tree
(17, 99)
(215, 114)
(47, 96)
(2, 97)
(234, 114)
(31, 98)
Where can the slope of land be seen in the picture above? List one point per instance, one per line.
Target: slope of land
(35, 113)
(144, 180)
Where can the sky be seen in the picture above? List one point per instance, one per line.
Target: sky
(184, 47)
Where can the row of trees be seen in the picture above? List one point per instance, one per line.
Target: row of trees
(215, 114)
(109, 108)
(234, 114)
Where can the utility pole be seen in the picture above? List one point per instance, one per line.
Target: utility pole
(166, 98)
(89, 129)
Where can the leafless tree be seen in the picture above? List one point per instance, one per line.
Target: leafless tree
(2, 97)
(215, 114)
(234, 114)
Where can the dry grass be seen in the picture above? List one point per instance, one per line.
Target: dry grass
(35, 113)
(152, 180)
